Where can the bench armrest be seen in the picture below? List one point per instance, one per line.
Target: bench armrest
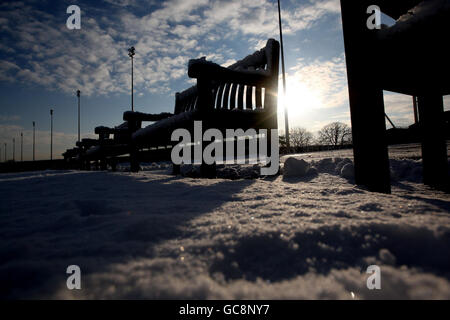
(87, 143)
(103, 130)
(200, 68)
(140, 116)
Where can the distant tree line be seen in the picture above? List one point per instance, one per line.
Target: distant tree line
(335, 135)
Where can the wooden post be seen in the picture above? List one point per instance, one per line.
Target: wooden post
(103, 164)
(366, 101)
(133, 126)
(205, 105)
(434, 148)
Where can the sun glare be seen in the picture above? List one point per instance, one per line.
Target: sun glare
(300, 99)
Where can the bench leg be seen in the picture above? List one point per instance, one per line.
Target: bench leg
(207, 170)
(434, 148)
(176, 169)
(103, 165)
(369, 139)
(113, 164)
(134, 160)
(366, 100)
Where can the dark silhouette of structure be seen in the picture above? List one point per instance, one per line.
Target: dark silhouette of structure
(131, 54)
(224, 98)
(79, 97)
(51, 134)
(34, 140)
(410, 58)
(286, 113)
(21, 146)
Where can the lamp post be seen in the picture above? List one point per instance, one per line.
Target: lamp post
(14, 149)
(51, 134)
(21, 146)
(79, 96)
(5, 151)
(286, 116)
(131, 53)
(34, 140)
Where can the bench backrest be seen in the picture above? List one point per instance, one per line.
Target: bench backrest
(228, 95)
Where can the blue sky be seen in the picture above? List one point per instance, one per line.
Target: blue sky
(42, 63)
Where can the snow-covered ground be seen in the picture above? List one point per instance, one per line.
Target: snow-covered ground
(153, 235)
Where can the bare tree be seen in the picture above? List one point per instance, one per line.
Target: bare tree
(335, 134)
(300, 137)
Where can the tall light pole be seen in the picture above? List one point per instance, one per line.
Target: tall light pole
(79, 96)
(21, 146)
(34, 139)
(14, 149)
(5, 151)
(51, 134)
(286, 116)
(131, 53)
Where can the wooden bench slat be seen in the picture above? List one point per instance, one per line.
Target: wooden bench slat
(240, 97)
(214, 94)
(233, 96)
(258, 100)
(249, 98)
(220, 96)
(226, 95)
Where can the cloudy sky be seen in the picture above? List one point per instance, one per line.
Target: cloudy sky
(43, 63)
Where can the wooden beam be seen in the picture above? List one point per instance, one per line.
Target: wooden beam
(434, 147)
(366, 102)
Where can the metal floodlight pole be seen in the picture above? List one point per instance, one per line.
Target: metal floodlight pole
(34, 139)
(79, 96)
(286, 115)
(131, 53)
(132, 84)
(5, 151)
(51, 134)
(14, 149)
(21, 146)
(416, 114)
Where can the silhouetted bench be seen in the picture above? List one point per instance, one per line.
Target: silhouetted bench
(410, 57)
(241, 96)
(71, 155)
(106, 149)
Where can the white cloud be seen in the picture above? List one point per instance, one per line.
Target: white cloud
(399, 108)
(307, 15)
(95, 59)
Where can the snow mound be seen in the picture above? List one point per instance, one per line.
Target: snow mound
(348, 171)
(401, 169)
(230, 172)
(295, 168)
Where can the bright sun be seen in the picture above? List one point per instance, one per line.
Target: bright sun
(300, 99)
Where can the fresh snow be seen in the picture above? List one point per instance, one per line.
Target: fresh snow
(154, 235)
